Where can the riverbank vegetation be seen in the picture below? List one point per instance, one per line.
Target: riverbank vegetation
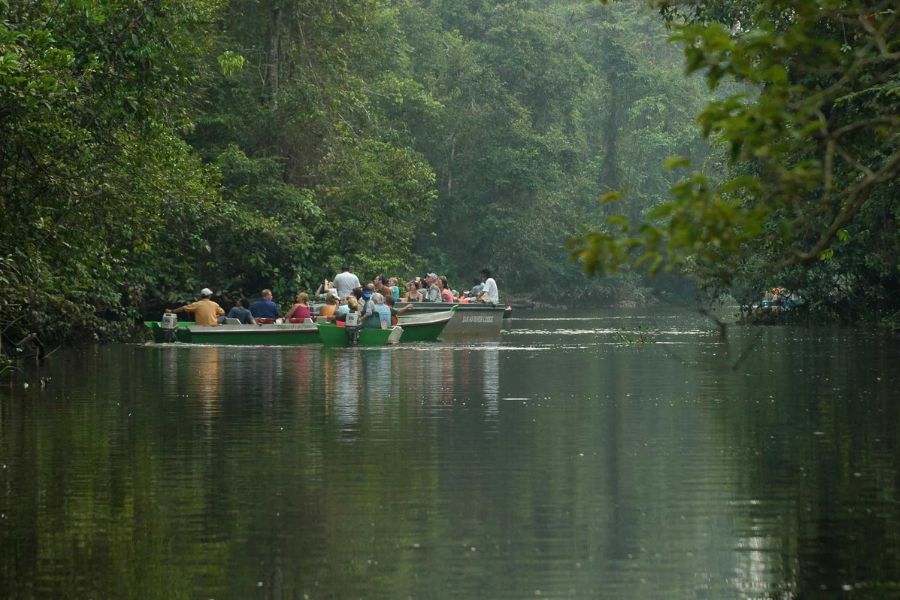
(148, 149)
(809, 198)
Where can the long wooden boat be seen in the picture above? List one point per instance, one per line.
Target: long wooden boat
(286, 334)
(469, 320)
(424, 326)
(334, 336)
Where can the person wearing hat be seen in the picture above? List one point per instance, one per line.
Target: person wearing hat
(433, 294)
(205, 311)
(368, 306)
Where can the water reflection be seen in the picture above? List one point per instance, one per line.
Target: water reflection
(532, 467)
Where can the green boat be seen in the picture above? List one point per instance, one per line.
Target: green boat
(337, 337)
(424, 327)
(286, 334)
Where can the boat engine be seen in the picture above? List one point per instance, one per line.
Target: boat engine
(169, 326)
(352, 328)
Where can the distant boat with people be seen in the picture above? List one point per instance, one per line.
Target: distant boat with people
(428, 310)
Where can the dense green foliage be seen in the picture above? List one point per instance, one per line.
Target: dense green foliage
(811, 198)
(148, 149)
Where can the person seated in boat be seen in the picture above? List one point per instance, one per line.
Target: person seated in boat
(205, 311)
(240, 312)
(413, 294)
(477, 286)
(489, 294)
(382, 287)
(264, 308)
(446, 294)
(777, 299)
(327, 310)
(366, 303)
(396, 312)
(433, 292)
(347, 305)
(376, 315)
(300, 311)
(461, 297)
(394, 284)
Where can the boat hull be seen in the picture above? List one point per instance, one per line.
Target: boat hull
(333, 336)
(287, 334)
(469, 320)
(426, 327)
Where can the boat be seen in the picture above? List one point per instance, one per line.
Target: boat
(275, 334)
(335, 336)
(424, 326)
(469, 320)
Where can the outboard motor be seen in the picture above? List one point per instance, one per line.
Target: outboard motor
(169, 327)
(353, 327)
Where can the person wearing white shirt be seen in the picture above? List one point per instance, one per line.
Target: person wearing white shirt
(489, 294)
(345, 282)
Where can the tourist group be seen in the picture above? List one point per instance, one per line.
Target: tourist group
(376, 303)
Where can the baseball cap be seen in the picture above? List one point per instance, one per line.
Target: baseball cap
(206, 292)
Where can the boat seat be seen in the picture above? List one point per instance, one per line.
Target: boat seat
(232, 321)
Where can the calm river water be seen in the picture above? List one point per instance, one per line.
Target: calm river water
(617, 455)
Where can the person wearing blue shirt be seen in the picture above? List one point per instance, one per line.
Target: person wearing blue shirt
(380, 315)
(264, 308)
(240, 312)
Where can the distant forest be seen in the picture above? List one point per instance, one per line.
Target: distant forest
(152, 148)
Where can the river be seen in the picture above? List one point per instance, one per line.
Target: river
(618, 454)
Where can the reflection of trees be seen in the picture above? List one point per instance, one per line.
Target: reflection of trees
(813, 424)
(377, 473)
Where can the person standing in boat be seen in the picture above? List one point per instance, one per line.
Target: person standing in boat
(239, 311)
(345, 282)
(489, 294)
(264, 308)
(205, 311)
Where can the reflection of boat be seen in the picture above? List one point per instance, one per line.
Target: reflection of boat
(286, 334)
(469, 320)
(335, 336)
(424, 327)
